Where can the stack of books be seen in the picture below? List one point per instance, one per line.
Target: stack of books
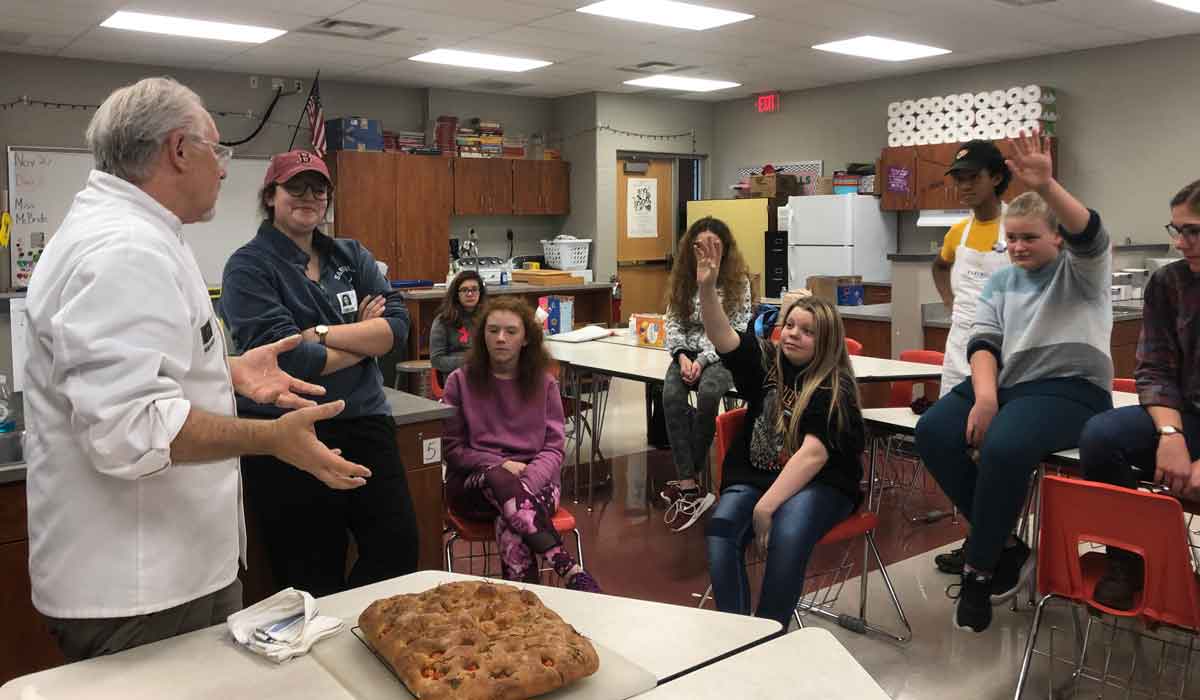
(403, 141)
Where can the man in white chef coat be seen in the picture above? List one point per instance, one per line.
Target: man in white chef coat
(134, 492)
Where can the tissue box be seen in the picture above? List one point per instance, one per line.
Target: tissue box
(560, 313)
(843, 290)
(354, 134)
(651, 329)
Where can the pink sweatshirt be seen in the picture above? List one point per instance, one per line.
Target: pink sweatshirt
(488, 429)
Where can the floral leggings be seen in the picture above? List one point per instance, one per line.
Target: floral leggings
(523, 526)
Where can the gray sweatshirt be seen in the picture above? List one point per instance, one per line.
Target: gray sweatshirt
(1055, 322)
(687, 334)
(447, 346)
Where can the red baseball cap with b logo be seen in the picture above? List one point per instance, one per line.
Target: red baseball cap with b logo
(286, 166)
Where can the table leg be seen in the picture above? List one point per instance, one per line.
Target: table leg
(578, 420)
(595, 440)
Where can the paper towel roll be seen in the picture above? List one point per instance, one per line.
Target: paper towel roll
(983, 116)
(996, 131)
(895, 140)
(922, 122)
(966, 118)
(965, 100)
(1014, 96)
(1037, 93)
(980, 132)
(965, 133)
(910, 139)
(999, 116)
(937, 105)
(908, 107)
(981, 100)
(1012, 130)
(1034, 110)
(908, 123)
(937, 120)
(893, 109)
(997, 99)
(1015, 113)
(922, 138)
(923, 105)
(1029, 126)
(893, 124)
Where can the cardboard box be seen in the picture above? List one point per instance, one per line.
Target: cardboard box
(776, 185)
(354, 134)
(789, 297)
(822, 185)
(843, 290)
(560, 313)
(651, 329)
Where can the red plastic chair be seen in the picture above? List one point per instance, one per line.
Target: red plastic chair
(776, 334)
(484, 532)
(1151, 525)
(860, 524)
(902, 391)
(1124, 384)
(853, 346)
(435, 387)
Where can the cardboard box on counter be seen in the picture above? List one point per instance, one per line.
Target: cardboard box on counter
(354, 134)
(560, 313)
(789, 297)
(822, 185)
(776, 185)
(843, 290)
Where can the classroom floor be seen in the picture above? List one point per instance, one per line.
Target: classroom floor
(631, 552)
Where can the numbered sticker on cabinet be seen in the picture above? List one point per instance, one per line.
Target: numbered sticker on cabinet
(431, 449)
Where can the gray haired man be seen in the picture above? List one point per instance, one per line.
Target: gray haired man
(134, 490)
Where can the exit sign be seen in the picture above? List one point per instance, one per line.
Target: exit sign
(767, 103)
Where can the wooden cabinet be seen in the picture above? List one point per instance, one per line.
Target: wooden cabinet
(877, 293)
(1123, 346)
(483, 186)
(26, 646)
(425, 487)
(925, 167)
(541, 187)
(398, 206)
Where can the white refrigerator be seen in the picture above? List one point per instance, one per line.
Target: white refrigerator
(838, 234)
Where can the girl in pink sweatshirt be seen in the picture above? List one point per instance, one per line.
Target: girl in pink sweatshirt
(504, 444)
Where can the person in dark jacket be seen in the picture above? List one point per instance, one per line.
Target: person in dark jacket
(289, 279)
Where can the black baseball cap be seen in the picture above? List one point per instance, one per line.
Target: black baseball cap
(977, 155)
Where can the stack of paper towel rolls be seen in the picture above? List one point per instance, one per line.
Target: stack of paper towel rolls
(991, 114)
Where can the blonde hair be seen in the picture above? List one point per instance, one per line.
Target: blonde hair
(1031, 204)
(830, 366)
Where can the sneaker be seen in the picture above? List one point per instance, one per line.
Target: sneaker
(583, 581)
(1119, 586)
(973, 610)
(1012, 572)
(687, 505)
(952, 562)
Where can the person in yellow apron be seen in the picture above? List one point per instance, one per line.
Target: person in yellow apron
(973, 249)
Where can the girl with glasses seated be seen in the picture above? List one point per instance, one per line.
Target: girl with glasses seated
(450, 334)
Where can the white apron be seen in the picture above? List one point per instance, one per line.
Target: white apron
(968, 275)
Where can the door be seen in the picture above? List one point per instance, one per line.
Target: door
(820, 220)
(527, 187)
(643, 259)
(556, 187)
(483, 186)
(804, 261)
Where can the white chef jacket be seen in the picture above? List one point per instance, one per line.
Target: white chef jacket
(122, 343)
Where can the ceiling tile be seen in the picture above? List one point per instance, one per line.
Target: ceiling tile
(502, 11)
(416, 20)
(89, 12)
(322, 43)
(553, 38)
(617, 32)
(231, 11)
(488, 44)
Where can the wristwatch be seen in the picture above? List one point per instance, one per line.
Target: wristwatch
(1165, 430)
(322, 331)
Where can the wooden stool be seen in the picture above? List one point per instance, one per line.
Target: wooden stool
(417, 373)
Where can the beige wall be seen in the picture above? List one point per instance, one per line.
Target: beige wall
(1129, 128)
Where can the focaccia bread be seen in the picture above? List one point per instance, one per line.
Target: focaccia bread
(477, 640)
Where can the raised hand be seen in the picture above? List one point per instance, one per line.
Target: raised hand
(708, 260)
(1032, 163)
(257, 376)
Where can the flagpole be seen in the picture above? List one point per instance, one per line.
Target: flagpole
(303, 110)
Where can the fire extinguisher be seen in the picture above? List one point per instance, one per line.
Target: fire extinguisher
(616, 299)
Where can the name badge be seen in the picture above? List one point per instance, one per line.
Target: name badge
(348, 301)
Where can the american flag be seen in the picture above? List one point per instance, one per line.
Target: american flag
(316, 118)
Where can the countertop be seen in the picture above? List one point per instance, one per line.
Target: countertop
(513, 288)
(935, 315)
(406, 409)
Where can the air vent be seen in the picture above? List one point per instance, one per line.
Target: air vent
(498, 85)
(343, 28)
(13, 38)
(654, 68)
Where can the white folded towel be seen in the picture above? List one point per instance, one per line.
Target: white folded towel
(282, 626)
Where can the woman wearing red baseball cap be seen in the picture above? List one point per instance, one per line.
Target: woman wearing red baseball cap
(289, 279)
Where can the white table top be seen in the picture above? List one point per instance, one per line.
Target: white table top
(903, 420)
(202, 665)
(621, 356)
(806, 664)
(664, 639)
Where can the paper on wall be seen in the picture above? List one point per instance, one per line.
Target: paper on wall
(641, 209)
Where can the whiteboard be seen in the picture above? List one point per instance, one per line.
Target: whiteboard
(43, 181)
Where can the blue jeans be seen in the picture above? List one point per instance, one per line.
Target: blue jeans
(1120, 446)
(795, 529)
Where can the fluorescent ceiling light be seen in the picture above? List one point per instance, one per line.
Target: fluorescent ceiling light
(486, 61)
(882, 49)
(1189, 5)
(196, 28)
(677, 82)
(666, 12)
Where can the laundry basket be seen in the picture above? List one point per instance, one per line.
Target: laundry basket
(567, 252)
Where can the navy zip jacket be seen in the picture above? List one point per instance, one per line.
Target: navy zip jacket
(266, 296)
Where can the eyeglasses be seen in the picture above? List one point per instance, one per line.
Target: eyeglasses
(469, 291)
(222, 152)
(1192, 232)
(297, 189)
